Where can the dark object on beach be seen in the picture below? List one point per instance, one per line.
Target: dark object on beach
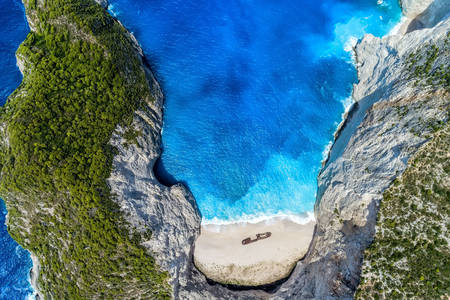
(259, 236)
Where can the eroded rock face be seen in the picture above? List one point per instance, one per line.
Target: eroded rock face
(371, 149)
(169, 212)
(412, 8)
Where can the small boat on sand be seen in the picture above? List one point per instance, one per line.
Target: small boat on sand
(259, 236)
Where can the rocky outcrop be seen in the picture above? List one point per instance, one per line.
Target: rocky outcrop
(412, 8)
(34, 276)
(170, 212)
(371, 149)
(424, 14)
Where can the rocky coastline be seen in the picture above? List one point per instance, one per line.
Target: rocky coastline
(371, 149)
(365, 158)
(34, 276)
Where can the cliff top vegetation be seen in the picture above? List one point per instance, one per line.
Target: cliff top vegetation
(82, 78)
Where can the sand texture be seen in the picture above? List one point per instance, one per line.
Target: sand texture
(220, 255)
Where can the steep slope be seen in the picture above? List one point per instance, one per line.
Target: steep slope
(398, 95)
(395, 113)
(410, 254)
(82, 77)
(81, 211)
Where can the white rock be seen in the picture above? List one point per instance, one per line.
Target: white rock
(371, 149)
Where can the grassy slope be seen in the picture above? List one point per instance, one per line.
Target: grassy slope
(410, 255)
(83, 78)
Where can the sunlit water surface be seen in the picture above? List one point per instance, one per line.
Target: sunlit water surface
(254, 91)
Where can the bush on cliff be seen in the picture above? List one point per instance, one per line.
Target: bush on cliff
(83, 78)
(409, 255)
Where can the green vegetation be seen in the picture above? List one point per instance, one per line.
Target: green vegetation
(409, 258)
(83, 78)
(421, 65)
(131, 136)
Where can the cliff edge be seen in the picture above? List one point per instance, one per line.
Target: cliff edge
(398, 100)
(83, 76)
(102, 225)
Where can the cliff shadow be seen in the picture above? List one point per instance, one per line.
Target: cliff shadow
(162, 175)
(354, 118)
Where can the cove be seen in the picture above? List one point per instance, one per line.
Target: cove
(254, 91)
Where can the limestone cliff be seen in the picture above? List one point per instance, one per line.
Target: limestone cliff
(82, 77)
(400, 97)
(388, 123)
(393, 117)
(170, 212)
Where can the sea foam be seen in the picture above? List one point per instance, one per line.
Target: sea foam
(253, 94)
(258, 218)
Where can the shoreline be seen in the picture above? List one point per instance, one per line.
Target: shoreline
(220, 255)
(232, 270)
(300, 219)
(349, 103)
(34, 276)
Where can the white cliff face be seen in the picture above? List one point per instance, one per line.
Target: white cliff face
(387, 125)
(103, 3)
(412, 8)
(169, 212)
(373, 148)
(423, 13)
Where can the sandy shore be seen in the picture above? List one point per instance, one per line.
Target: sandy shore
(220, 255)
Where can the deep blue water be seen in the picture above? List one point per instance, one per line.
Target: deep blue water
(254, 91)
(15, 262)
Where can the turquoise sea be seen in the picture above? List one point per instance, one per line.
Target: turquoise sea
(254, 91)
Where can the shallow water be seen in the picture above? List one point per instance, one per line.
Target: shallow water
(15, 262)
(254, 91)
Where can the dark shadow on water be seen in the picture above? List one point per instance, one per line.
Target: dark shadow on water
(162, 175)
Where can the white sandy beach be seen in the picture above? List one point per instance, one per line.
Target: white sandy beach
(220, 255)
